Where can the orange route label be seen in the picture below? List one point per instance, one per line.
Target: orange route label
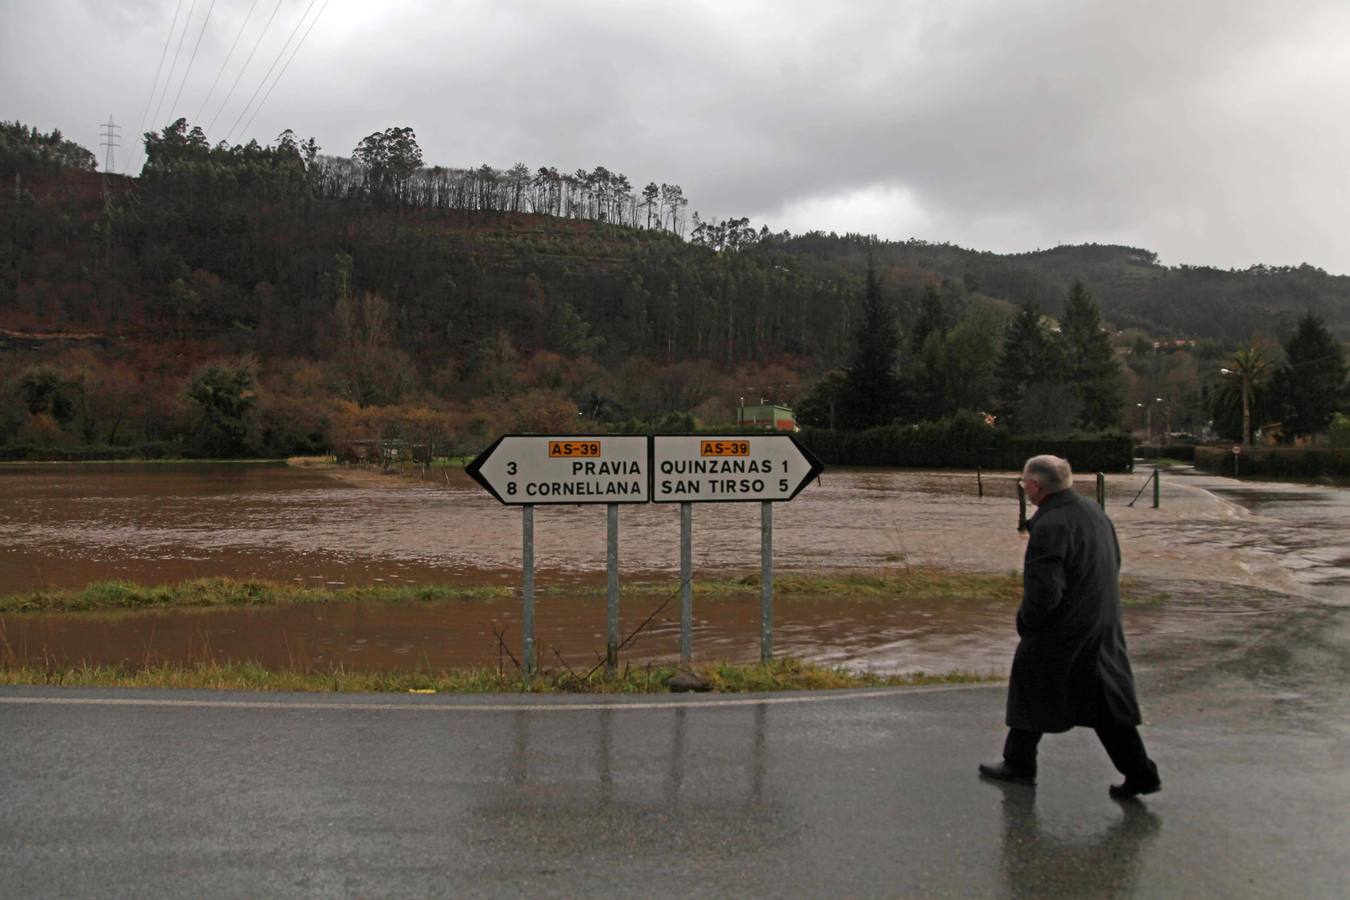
(724, 448)
(574, 449)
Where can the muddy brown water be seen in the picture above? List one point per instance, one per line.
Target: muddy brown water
(65, 526)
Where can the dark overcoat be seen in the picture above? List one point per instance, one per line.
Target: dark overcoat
(1071, 667)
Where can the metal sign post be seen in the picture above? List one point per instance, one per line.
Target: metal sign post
(765, 582)
(686, 584)
(527, 588)
(612, 591)
(527, 470)
(706, 468)
(530, 469)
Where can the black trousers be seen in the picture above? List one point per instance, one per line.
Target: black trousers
(1122, 742)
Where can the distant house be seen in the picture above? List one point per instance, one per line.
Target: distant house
(769, 416)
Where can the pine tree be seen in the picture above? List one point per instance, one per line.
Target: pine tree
(1090, 364)
(932, 318)
(1030, 357)
(1311, 385)
(871, 396)
(925, 377)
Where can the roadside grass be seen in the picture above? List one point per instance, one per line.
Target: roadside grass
(229, 592)
(785, 674)
(912, 585)
(908, 586)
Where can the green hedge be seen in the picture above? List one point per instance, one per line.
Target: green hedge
(1183, 452)
(88, 453)
(964, 442)
(1304, 462)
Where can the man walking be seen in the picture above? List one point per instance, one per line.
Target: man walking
(1071, 667)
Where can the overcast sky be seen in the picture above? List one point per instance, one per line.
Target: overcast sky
(1212, 131)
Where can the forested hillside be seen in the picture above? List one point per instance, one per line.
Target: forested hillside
(335, 297)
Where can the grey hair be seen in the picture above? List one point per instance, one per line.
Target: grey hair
(1052, 472)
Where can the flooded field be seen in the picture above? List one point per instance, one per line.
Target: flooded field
(65, 526)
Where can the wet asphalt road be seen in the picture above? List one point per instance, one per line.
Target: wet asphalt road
(195, 793)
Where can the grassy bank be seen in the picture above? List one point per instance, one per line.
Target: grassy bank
(227, 592)
(781, 675)
(910, 585)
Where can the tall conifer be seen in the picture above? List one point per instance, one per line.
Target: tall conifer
(1029, 357)
(1311, 385)
(872, 388)
(1091, 368)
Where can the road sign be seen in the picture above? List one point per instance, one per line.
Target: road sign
(1237, 449)
(528, 469)
(706, 468)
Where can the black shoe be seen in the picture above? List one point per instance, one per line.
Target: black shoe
(1131, 789)
(1000, 771)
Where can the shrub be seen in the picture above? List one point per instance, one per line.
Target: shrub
(91, 452)
(963, 441)
(1185, 452)
(1297, 462)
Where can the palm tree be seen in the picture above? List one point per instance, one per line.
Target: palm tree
(1254, 370)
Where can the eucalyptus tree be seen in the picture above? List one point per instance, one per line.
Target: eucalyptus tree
(650, 198)
(518, 178)
(389, 158)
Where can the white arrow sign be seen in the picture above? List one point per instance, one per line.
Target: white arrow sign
(524, 469)
(705, 468)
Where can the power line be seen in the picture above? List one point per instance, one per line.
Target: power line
(154, 84)
(207, 98)
(256, 45)
(192, 59)
(176, 53)
(286, 66)
(268, 73)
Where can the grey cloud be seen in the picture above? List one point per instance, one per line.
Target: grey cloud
(1209, 131)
